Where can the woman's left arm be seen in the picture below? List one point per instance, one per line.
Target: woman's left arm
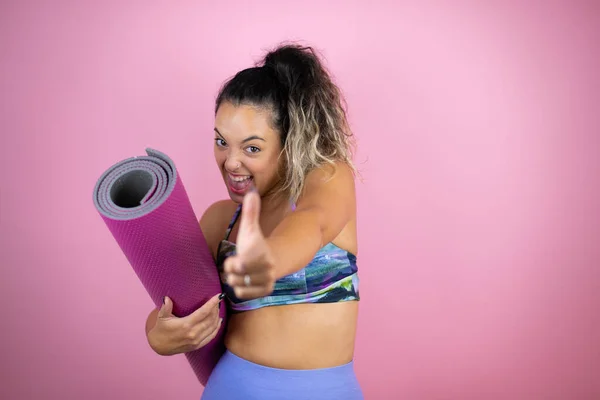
(327, 204)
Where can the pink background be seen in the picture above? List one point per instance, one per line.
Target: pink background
(479, 135)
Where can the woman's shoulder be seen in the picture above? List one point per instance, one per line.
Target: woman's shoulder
(336, 172)
(214, 221)
(330, 183)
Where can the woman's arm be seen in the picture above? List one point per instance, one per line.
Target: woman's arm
(327, 204)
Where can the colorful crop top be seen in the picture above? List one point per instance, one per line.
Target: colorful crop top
(331, 276)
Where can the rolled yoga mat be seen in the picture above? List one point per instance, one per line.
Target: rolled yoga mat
(146, 208)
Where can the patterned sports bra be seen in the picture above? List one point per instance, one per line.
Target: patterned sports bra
(331, 276)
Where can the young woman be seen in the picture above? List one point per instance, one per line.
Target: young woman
(285, 242)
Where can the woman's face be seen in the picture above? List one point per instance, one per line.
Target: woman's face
(247, 149)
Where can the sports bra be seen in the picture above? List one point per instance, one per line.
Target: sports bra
(331, 276)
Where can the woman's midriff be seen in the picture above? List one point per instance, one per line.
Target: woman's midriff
(299, 336)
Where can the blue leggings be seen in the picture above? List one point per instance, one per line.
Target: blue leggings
(235, 378)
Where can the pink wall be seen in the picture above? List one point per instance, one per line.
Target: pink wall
(479, 146)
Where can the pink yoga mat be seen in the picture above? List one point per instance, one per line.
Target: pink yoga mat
(146, 208)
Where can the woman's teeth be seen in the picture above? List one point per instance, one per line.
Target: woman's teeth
(240, 178)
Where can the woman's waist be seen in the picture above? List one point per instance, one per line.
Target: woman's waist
(302, 336)
(236, 377)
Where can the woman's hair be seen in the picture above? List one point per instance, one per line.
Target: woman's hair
(308, 110)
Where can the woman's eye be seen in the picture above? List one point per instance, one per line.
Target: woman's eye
(220, 142)
(253, 149)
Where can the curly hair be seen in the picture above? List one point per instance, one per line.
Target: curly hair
(309, 110)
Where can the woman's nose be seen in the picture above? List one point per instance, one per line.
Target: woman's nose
(232, 164)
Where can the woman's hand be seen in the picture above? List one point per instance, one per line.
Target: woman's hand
(251, 272)
(173, 335)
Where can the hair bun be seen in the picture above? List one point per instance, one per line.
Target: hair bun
(286, 55)
(294, 65)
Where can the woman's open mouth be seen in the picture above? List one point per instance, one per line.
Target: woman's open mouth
(239, 184)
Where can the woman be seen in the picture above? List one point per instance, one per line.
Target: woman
(285, 243)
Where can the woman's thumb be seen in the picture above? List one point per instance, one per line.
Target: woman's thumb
(250, 212)
(166, 309)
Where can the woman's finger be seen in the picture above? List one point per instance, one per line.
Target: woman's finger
(247, 280)
(166, 310)
(205, 327)
(211, 336)
(241, 265)
(204, 311)
(200, 327)
(249, 230)
(233, 264)
(252, 292)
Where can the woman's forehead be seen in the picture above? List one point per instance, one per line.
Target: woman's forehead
(241, 121)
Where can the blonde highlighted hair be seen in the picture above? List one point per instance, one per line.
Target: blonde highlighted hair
(309, 110)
